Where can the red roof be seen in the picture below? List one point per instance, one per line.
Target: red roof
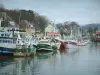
(53, 32)
(97, 32)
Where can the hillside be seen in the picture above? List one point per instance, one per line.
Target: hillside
(32, 17)
(93, 26)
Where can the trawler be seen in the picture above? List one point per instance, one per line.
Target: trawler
(8, 43)
(45, 44)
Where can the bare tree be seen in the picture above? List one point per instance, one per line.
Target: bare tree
(42, 22)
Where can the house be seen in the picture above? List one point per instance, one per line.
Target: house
(6, 25)
(25, 25)
(6, 22)
(52, 31)
(30, 29)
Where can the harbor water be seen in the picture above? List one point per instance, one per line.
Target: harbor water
(82, 61)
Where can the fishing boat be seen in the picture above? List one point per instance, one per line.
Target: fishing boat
(75, 39)
(34, 41)
(7, 43)
(60, 42)
(45, 45)
(76, 43)
(26, 51)
(31, 40)
(71, 43)
(83, 42)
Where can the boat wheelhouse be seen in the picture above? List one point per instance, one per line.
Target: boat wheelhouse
(7, 44)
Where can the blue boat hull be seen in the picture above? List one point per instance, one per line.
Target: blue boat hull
(6, 51)
(6, 54)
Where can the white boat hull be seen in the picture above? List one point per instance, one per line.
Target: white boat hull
(71, 46)
(76, 44)
(7, 45)
(58, 45)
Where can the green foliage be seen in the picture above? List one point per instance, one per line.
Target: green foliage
(93, 26)
(65, 27)
(59, 25)
(90, 30)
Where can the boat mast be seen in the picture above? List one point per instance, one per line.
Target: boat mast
(19, 16)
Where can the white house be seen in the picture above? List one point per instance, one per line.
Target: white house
(3, 28)
(51, 31)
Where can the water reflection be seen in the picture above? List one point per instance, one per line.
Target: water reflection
(83, 61)
(44, 55)
(63, 51)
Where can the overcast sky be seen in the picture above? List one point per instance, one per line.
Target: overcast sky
(81, 11)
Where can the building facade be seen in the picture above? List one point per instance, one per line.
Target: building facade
(52, 31)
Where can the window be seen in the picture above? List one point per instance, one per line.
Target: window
(0, 41)
(6, 35)
(39, 38)
(5, 41)
(8, 41)
(14, 41)
(2, 35)
(18, 42)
